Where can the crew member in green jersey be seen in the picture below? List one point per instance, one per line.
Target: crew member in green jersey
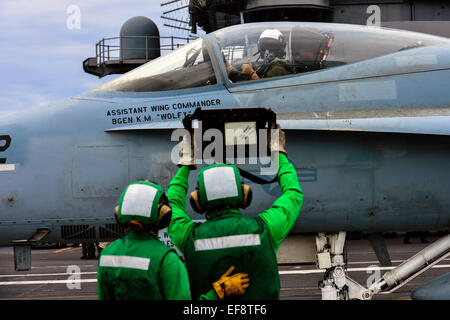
(139, 266)
(228, 238)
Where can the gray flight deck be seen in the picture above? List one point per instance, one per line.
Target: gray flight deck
(48, 278)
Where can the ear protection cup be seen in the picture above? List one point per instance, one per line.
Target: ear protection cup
(165, 215)
(164, 212)
(116, 214)
(195, 201)
(246, 196)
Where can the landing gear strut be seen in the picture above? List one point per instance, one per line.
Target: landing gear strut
(336, 285)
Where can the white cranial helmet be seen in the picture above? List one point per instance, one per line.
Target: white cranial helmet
(273, 41)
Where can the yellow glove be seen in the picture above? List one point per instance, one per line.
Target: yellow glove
(228, 286)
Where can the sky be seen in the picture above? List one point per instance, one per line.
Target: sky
(44, 42)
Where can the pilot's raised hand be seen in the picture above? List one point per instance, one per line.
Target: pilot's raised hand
(247, 69)
(186, 152)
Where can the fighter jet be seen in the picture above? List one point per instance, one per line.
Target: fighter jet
(366, 113)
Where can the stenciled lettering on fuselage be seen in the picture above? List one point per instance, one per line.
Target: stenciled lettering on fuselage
(5, 142)
(157, 112)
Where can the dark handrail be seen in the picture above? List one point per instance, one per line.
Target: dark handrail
(105, 49)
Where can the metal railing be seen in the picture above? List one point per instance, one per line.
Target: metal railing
(112, 49)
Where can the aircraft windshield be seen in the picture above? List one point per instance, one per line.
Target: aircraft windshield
(308, 47)
(187, 67)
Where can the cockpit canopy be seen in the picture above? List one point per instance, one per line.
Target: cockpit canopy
(315, 46)
(308, 47)
(187, 67)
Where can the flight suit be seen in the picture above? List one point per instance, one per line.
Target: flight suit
(138, 266)
(227, 237)
(277, 68)
(236, 76)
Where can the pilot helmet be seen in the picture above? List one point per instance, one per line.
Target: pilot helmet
(273, 42)
(144, 202)
(219, 187)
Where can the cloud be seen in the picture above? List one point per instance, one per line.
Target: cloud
(23, 19)
(19, 97)
(42, 58)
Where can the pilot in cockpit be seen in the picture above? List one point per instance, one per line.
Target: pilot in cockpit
(272, 51)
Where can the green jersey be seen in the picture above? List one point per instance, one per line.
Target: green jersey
(138, 266)
(244, 241)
